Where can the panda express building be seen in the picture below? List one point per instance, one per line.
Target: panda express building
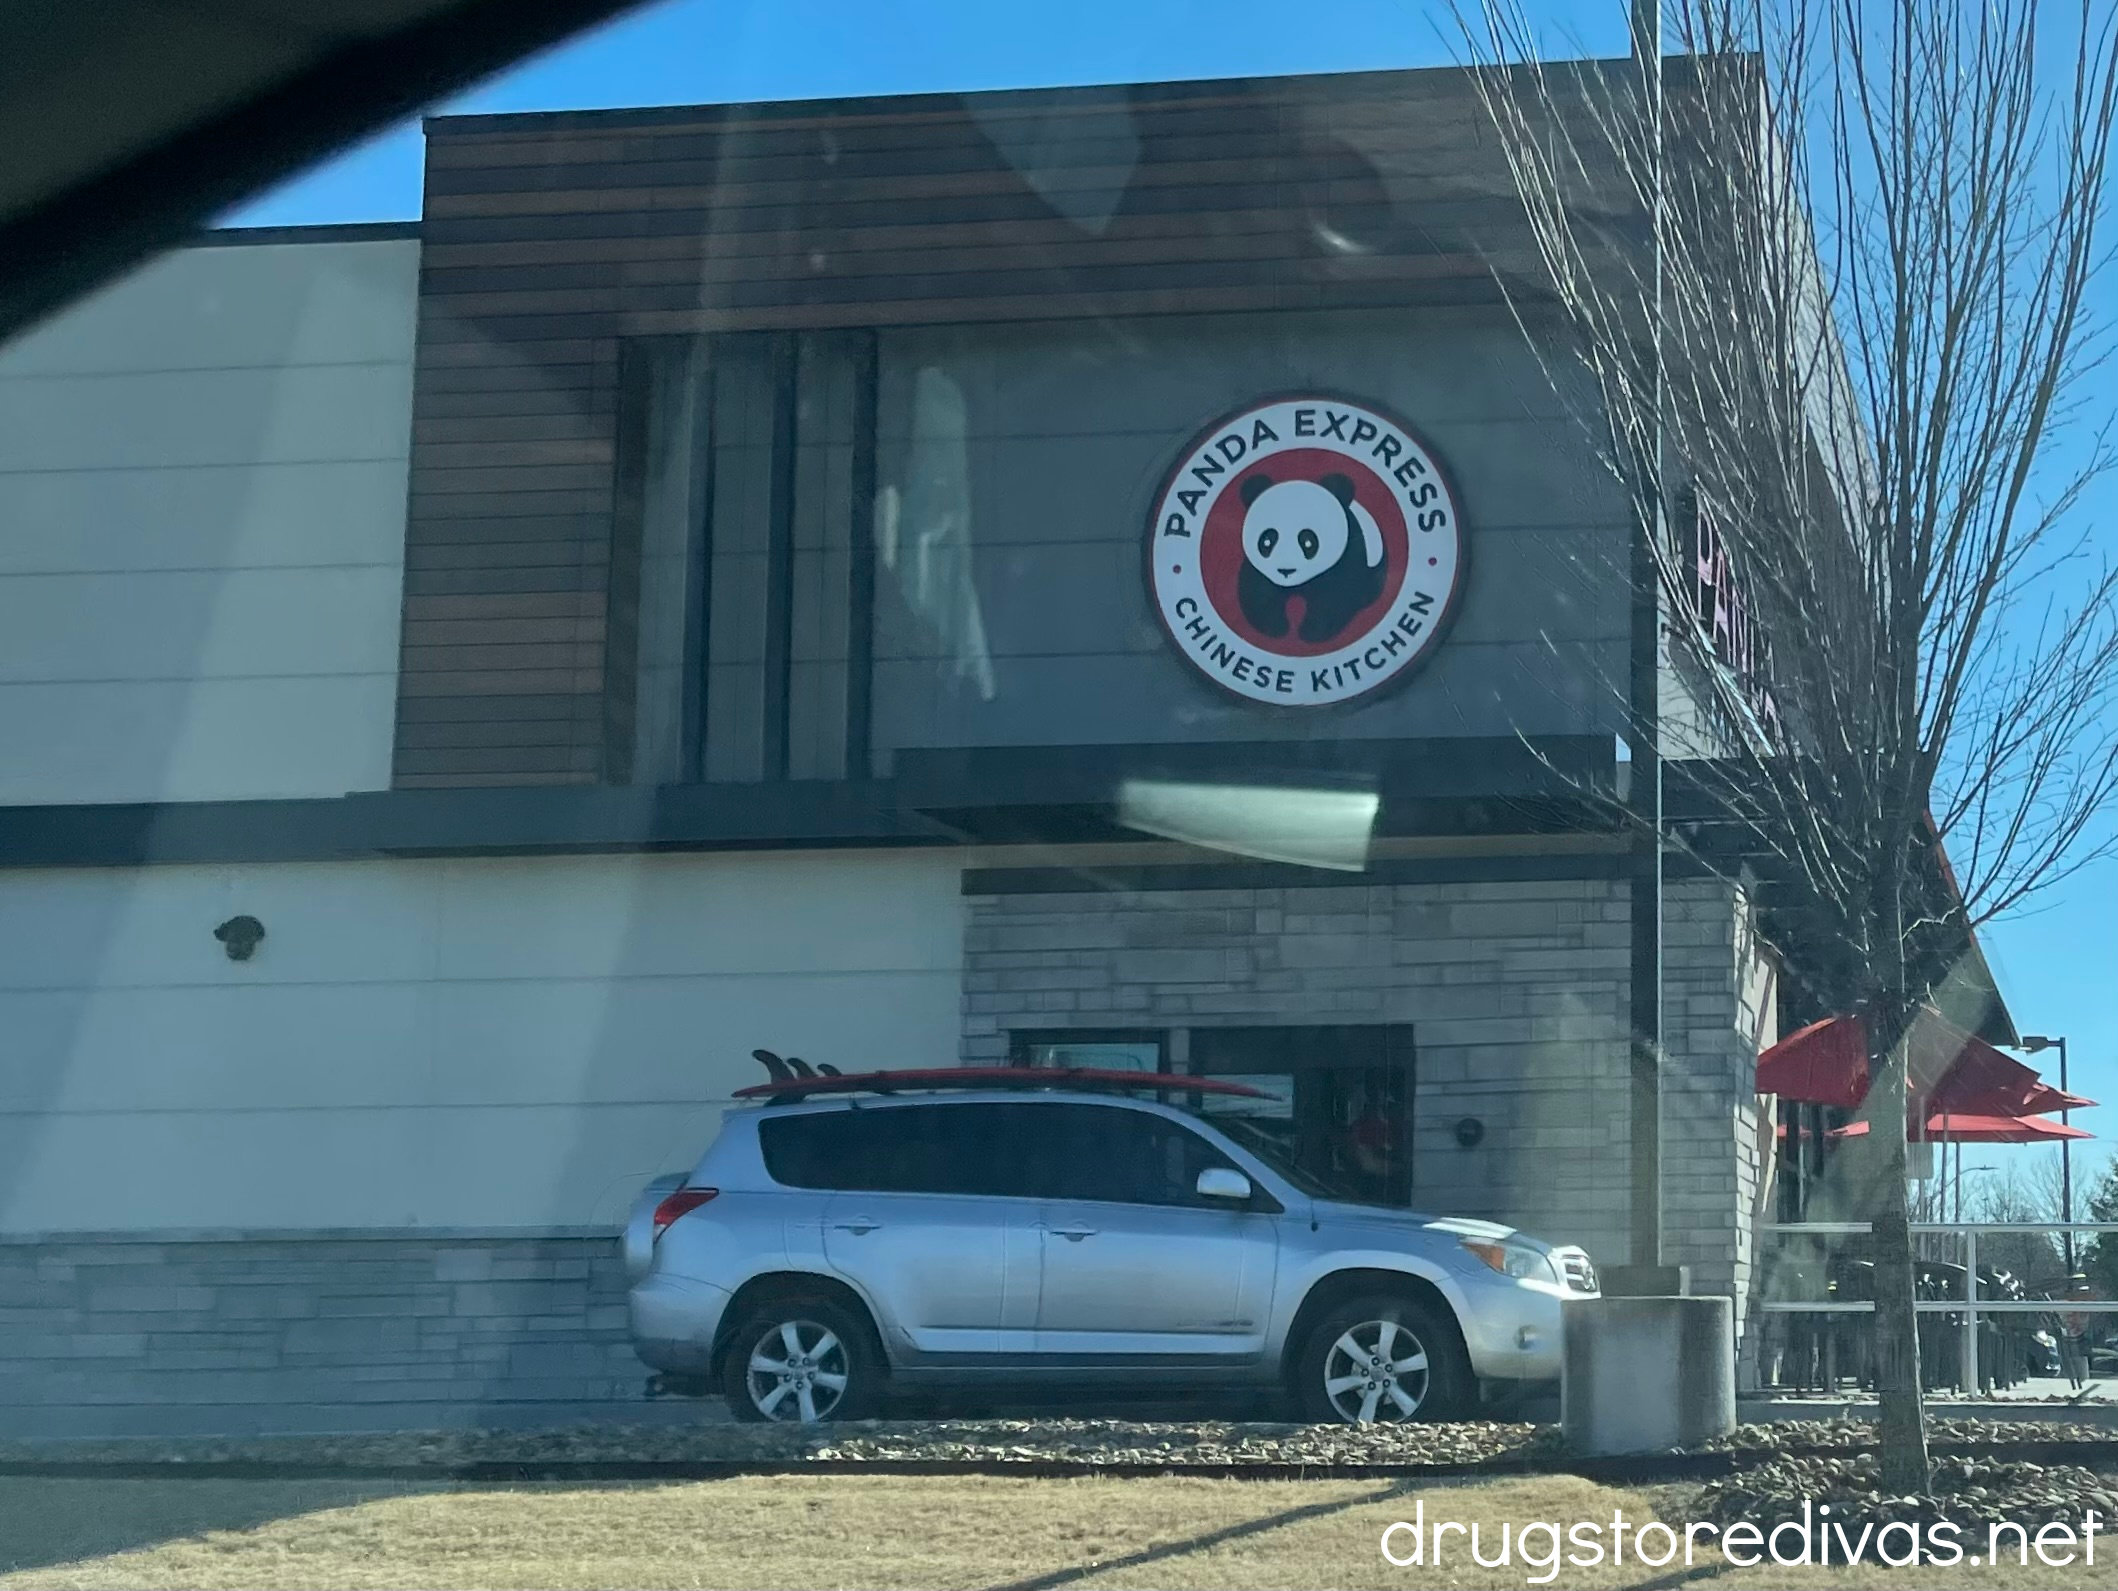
(1090, 576)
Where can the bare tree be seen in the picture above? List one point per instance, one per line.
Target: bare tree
(1826, 265)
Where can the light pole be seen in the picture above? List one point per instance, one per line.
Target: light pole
(2031, 1044)
(1962, 1172)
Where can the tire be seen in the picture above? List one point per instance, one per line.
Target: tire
(1332, 1384)
(833, 1370)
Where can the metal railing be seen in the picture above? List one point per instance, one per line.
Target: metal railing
(1970, 1306)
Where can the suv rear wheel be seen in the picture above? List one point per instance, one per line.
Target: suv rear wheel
(1380, 1358)
(801, 1360)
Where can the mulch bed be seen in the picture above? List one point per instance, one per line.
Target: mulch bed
(1859, 1436)
(1091, 1443)
(1836, 1498)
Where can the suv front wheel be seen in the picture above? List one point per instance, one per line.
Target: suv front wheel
(1380, 1358)
(801, 1360)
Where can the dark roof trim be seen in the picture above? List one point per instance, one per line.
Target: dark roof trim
(231, 237)
(569, 819)
(1071, 96)
(1482, 767)
(938, 798)
(1087, 880)
(588, 819)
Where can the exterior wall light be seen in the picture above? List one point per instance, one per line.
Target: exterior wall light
(240, 936)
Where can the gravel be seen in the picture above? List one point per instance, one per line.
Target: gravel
(1092, 1442)
(1972, 1494)
(1114, 1442)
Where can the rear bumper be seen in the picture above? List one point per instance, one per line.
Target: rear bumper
(674, 1321)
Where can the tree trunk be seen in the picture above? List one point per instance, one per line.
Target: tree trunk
(1897, 1372)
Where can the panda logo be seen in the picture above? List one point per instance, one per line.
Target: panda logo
(1308, 540)
(1305, 550)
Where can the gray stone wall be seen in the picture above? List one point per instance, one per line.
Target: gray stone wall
(1719, 1011)
(1516, 993)
(148, 1336)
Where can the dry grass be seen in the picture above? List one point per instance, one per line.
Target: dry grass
(817, 1531)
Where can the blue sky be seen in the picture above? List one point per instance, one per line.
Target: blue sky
(2052, 962)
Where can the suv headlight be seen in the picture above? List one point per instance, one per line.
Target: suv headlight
(1518, 1260)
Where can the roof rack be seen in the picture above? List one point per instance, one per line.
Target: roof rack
(938, 1079)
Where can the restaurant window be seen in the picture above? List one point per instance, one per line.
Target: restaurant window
(1338, 1100)
(1094, 1048)
(1334, 1102)
(742, 560)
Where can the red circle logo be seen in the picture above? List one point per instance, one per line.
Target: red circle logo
(1305, 550)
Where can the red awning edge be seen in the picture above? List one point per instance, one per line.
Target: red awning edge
(1958, 1129)
(1825, 1063)
(1954, 1073)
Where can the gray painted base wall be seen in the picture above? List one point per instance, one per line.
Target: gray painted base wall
(276, 1333)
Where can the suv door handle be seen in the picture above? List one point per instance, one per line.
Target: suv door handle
(1073, 1234)
(860, 1226)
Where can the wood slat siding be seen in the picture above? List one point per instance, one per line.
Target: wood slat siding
(549, 240)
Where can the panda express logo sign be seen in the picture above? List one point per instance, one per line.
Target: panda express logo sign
(1305, 551)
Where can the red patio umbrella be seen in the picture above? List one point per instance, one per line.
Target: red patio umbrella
(1981, 1129)
(1980, 1081)
(1957, 1073)
(1825, 1063)
(2039, 1099)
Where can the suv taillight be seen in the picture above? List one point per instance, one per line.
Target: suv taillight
(681, 1202)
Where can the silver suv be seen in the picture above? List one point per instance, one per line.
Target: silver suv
(821, 1249)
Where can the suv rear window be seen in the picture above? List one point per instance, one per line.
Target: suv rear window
(1042, 1151)
(890, 1149)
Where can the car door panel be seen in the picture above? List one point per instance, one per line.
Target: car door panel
(914, 1214)
(953, 1274)
(1135, 1262)
(1146, 1280)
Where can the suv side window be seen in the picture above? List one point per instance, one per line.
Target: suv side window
(1113, 1155)
(891, 1149)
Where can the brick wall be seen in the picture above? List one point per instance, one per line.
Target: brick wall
(1516, 992)
(124, 1336)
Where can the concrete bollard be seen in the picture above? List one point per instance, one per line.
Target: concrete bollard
(1641, 1375)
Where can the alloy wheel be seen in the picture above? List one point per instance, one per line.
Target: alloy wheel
(797, 1372)
(1377, 1370)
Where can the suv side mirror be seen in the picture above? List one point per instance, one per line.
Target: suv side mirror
(1224, 1182)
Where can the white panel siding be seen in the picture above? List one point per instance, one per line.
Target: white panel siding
(202, 490)
(197, 624)
(216, 517)
(230, 305)
(215, 739)
(183, 419)
(430, 1043)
